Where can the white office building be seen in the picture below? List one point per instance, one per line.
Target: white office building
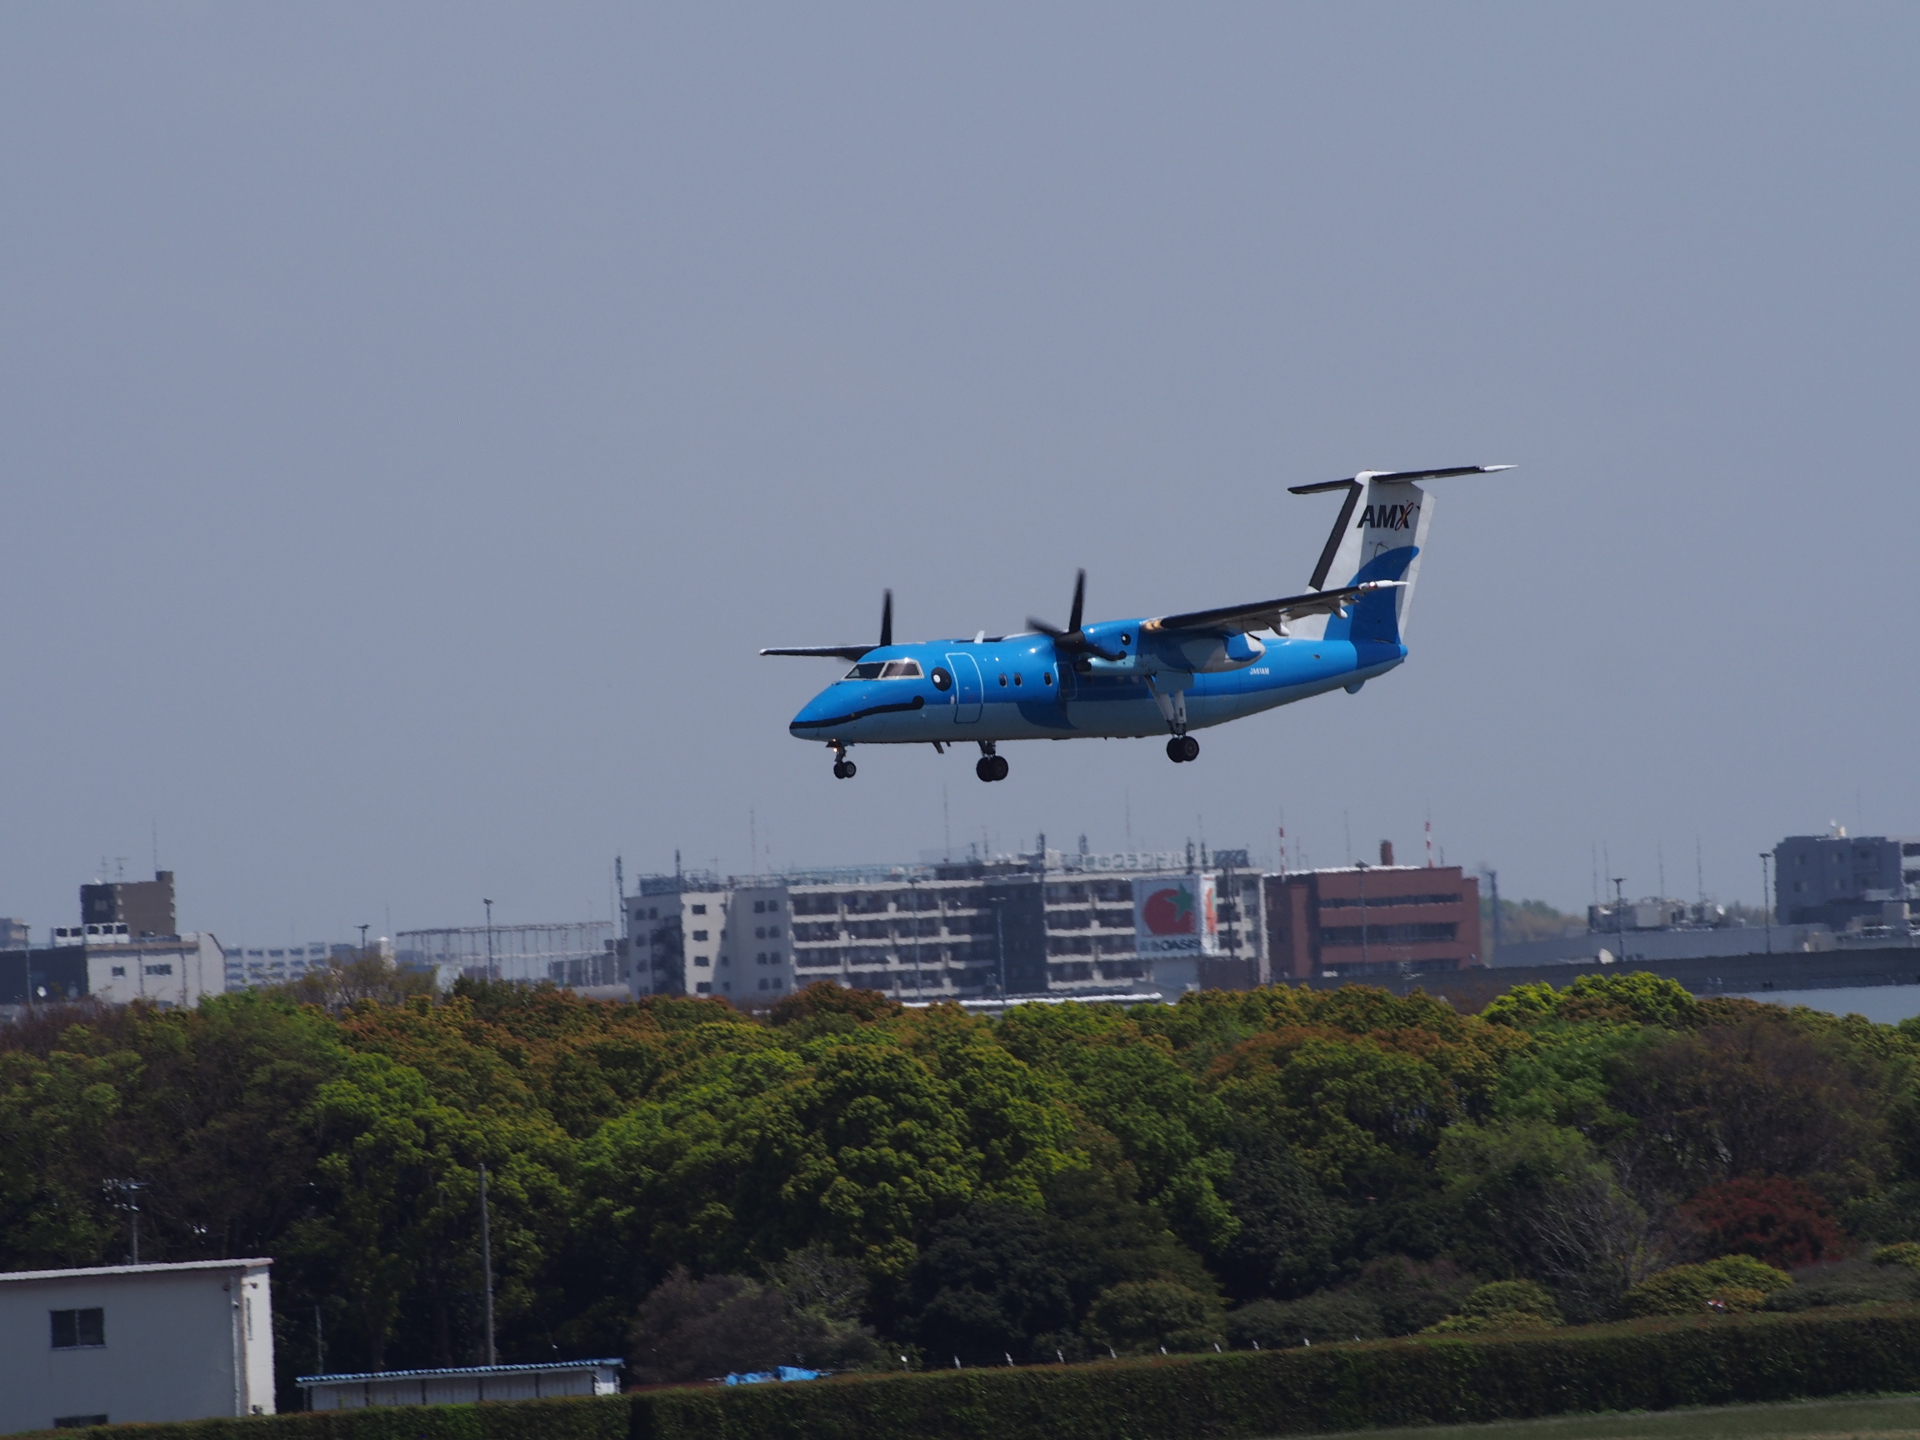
(135, 1343)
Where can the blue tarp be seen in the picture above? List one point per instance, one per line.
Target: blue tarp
(770, 1377)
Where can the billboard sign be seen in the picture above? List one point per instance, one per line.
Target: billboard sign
(1175, 915)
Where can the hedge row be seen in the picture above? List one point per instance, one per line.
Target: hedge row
(1641, 1365)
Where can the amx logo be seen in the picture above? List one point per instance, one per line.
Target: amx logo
(1388, 517)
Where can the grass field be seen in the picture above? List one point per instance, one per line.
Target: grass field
(1889, 1418)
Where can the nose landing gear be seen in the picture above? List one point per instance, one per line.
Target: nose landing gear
(843, 768)
(992, 766)
(1182, 748)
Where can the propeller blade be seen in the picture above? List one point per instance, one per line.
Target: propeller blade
(1079, 601)
(886, 619)
(1045, 629)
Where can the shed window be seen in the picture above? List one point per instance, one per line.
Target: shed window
(78, 1329)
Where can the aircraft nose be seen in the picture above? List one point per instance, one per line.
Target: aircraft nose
(815, 713)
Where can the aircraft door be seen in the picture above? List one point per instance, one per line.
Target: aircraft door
(968, 691)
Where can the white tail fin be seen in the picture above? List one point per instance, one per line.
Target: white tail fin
(1380, 535)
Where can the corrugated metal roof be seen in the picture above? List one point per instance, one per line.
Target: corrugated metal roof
(465, 1370)
(103, 1271)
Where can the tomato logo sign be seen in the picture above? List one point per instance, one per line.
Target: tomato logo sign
(1169, 912)
(1174, 915)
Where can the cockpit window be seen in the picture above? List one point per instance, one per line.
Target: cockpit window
(885, 670)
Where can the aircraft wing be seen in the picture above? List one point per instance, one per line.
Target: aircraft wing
(828, 652)
(1268, 614)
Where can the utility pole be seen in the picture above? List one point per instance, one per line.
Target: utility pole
(1766, 894)
(913, 889)
(363, 940)
(1620, 912)
(1493, 889)
(490, 974)
(129, 1193)
(1362, 867)
(1000, 940)
(486, 1264)
(319, 1344)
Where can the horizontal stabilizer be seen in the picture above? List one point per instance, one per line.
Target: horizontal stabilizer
(825, 652)
(1395, 477)
(1271, 614)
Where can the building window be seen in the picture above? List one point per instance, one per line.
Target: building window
(159, 969)
(703, 988)
(703, 960)
(120, 972)
(773, 932)
(78, 1329)
(699, 934)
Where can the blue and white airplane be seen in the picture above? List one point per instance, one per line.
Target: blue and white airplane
(1164, 676)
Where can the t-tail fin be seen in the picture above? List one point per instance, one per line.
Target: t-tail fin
(1380, 534)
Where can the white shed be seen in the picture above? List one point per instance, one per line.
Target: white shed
(136, 1342)
(463, 1386)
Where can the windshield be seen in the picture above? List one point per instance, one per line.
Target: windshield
(885, 670)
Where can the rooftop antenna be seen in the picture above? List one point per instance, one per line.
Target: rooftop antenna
(156, 846)
(1347, 829)
(620, 880)
(1429, 839)
(753, 842)
(946, 825)
(1660, 859)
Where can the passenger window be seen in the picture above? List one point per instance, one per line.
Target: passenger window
(1003, 682)
(1016, 677)
(1047, 676)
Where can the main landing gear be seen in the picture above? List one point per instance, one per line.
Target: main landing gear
(843, 768)
(992, 766)
(1173, 709)
(1182, 748)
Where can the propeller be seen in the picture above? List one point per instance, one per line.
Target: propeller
(1073, 637)
(886, 619)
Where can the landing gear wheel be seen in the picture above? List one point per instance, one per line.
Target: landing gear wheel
(999, 767)
(1182, 748)
(844, 769)
(991, 767)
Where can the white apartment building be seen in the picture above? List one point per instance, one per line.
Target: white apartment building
(1042, 924)
(135, 1343)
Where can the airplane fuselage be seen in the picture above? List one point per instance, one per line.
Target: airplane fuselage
(1016, 688)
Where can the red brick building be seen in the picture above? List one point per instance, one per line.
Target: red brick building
(1399, 919)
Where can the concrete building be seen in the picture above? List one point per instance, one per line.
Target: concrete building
(1366, 922)
(135, 1343)
(115, 969)
(1039, 924)
(250, 966)
(1847, 882)
(15, 934)
(465, 1386)
(145, 907)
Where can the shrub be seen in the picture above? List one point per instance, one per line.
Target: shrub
(1847, 1282)
(1413, 1294)
(1139, 1317)
(691, 1329)
(1331, 1315)
(1906, 1253)
(1776, 1219)
(1738, 1282)
(1504, 1305)
(1450, 1380)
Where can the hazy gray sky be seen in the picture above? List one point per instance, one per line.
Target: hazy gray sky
(414, 417)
